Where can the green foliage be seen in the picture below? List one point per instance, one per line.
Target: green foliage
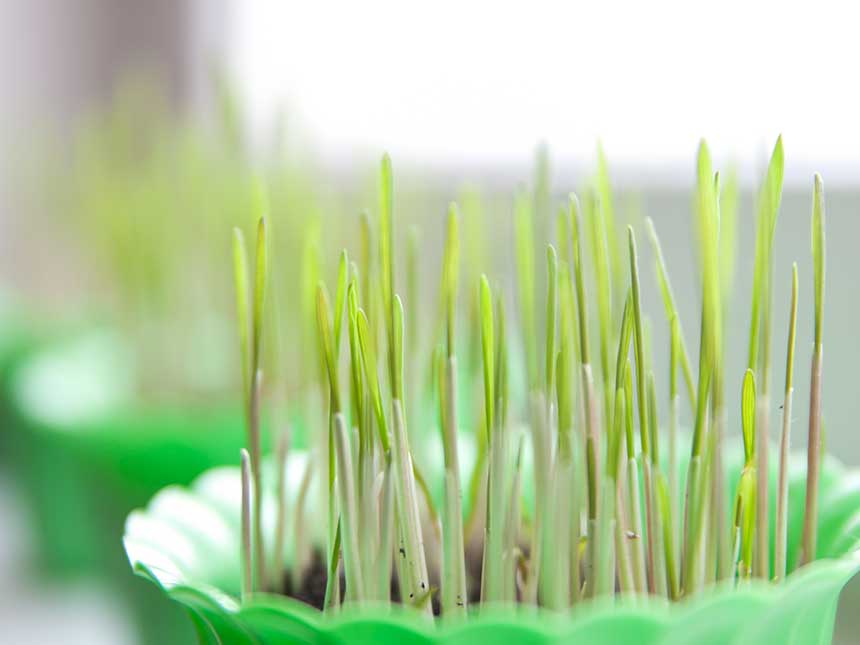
(578, 441)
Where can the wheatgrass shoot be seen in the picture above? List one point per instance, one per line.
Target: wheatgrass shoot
(635, 532)
(524, 222)
(542, 418)
(595, 225)
(590, 410)
(717, 546)
(671, 309)
(674, 413)
(330, 361)
(281, 452)
(247, 575)
(556, 572)
(761, 317)
(644, 434)
(810, 524)
(587, 534)
(514, 559)
(698, 488)
(605, 555)
(781, 538)
(588, 397)
(250, 325)
(454, 593)
(747, 496)
(493, 325)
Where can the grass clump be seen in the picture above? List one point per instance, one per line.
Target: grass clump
(610, 516)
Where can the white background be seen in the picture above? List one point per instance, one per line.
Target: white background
(484, 81)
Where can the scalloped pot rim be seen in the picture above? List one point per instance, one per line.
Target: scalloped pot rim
(723, 614)
(830, 572)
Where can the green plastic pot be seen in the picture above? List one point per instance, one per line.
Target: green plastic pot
(187, 543)
(86, 452)
(20, 336)
(89, 452)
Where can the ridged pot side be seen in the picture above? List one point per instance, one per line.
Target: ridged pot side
(187, 542)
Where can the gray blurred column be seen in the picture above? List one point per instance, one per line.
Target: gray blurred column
(60, 58)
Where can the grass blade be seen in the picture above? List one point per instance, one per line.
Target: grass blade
(281, 453)
(814, 446)
(526, 281)
(493, 586)
(780, 541)
(603, 283)
(671, 309)
(645, 442)
(551, 307)
(240, 278)
(355, 589)
(255, 378)
(247, 577)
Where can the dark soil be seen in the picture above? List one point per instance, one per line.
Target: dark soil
(312, 588)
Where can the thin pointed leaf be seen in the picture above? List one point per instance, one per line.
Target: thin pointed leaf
(748, 415)
(488, 347)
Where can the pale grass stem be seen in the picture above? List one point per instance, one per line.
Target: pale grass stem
(281, 453)
(781, 537)
(247, 579)
(813, 450)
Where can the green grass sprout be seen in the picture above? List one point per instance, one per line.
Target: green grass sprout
(415, 583)
(329, 360)
(610, 515)
(281, 452)
(454, 592)
(524, 216)
(814, 446)
(551, 307)
(247, 575)
(671, 309)
(769, 210)
(695, 507)
(251, 338)
(745, 505)
(780, 540)
(672, 438)
(644, 434)
(596, 227)
(635, 533)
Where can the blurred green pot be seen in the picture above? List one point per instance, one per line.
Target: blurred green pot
(86, 452)
(20, 335)
(90, 452)
(187, 543)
